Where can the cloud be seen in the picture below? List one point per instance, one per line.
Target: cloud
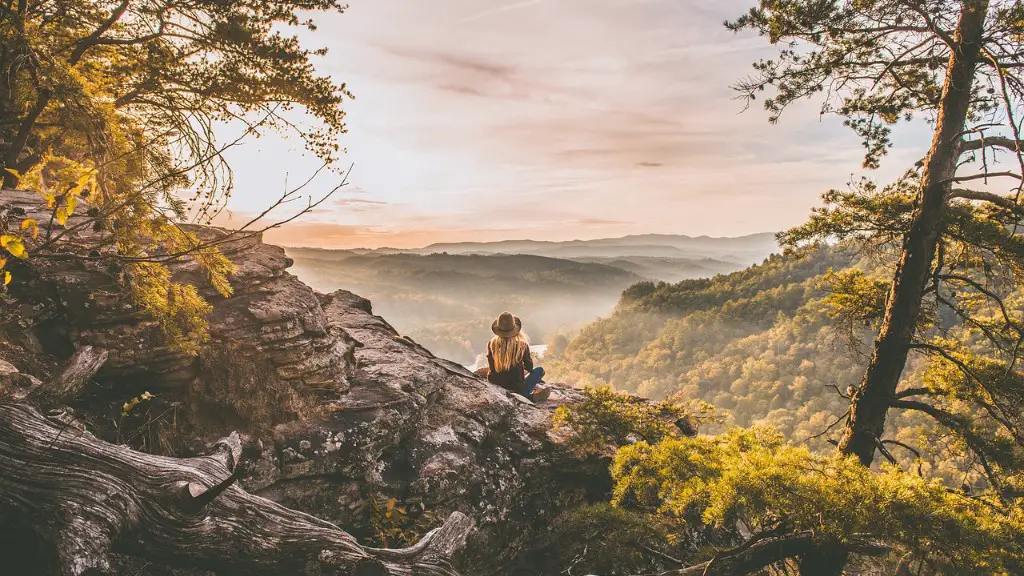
(358, 204)
(600, 222)
(559, 120)
(465, 63)
(500, 9)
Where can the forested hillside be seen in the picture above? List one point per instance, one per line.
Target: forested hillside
(757, 344)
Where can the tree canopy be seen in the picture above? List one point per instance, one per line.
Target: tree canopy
(111, 110)
(939, 277)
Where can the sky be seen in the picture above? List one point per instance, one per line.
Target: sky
(480, 120)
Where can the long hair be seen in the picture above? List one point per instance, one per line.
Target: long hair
(508, 352)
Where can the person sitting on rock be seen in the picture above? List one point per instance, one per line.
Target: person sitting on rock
(508, 360)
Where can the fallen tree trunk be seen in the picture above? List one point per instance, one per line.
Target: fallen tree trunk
(84, 499)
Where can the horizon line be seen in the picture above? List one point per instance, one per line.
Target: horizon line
(490, 242)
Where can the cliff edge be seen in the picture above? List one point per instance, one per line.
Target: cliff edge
(359, 425)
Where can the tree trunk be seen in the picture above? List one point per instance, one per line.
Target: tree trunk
(871, 401)
(83, 499)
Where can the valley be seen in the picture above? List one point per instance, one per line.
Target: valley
(444, 296)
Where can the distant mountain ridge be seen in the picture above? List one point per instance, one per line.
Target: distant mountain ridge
(632, 245)
(651, 245)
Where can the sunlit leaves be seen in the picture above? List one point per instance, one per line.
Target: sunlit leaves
(396, 524)
(873, 63)
(855, 303)
(864, 211)
(178, 309)
(13, 245)
(604, 419)
(131, 404)
(126, 125)
(752, 477)
(30, 225)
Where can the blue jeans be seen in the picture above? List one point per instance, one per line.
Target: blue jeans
(532, 379)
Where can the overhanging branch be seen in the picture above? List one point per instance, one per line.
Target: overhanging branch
(1010, 144)
(1001, 201)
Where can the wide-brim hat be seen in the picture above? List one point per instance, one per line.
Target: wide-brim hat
(506, 325)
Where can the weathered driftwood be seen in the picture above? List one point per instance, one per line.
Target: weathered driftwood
(85, 499)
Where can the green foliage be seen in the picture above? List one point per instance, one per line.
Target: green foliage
(970, 324)
(785, 366)
(604, 539)
(874, 63)
(605, 419)
(178, 309)
(855, 302)
(753, 478)
(756, 344)
(861, 213)
(114, 105)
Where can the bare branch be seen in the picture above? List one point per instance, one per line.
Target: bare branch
(82, 45)
(982, 176)
(992, 141)
(1001, 201)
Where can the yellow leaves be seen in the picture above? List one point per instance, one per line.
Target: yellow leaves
(30, 224)
(217, 266)
(13, 172)
(65, 209)
(753, 476)
(399, 524)
(86, 183)
(62, 182)
(606, 418)
(131, 404)
(13, 245)
(178, 309)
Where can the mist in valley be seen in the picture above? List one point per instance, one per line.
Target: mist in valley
(444, 297)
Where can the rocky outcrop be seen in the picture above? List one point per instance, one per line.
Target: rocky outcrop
(272, 316)
(394, 439)
(420, 429)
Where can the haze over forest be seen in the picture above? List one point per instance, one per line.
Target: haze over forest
(444, 296)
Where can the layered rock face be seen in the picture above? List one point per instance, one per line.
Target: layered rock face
(272, 316)
(393, 437)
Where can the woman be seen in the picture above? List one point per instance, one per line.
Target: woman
(508, 360)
